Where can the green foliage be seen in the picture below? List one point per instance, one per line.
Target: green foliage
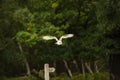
(108, 17)
(23, 15)
(50, 29)
(95, 25)
(101, 76)
(27, 38)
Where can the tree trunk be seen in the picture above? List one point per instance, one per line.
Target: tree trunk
(68, 69)
(25, 60)
(83, 68)
(96, 67)
(76, 65)
(88, 67)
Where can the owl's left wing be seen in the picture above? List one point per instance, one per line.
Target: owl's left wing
(66, 36)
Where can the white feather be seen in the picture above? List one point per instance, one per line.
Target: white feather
(66, 36)
(49, 37)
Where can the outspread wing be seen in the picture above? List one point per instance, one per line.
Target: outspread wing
(49, 38)
(66, 36)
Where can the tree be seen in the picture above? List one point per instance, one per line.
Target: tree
(29, 20)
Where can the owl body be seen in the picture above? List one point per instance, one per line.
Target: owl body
(59, 42)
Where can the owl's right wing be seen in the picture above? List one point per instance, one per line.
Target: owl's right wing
(49, 38)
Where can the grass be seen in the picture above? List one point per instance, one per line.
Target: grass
(95, 76)
(22, 78)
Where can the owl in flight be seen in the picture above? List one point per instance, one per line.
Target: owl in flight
(59, 41)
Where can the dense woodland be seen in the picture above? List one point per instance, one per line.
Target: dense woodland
(94, 23)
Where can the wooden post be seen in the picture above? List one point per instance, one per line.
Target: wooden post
(47, 70)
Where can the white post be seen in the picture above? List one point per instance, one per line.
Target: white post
(46, 69)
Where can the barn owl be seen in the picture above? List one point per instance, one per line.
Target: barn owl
(59, 41)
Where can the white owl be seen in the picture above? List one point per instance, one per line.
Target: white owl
(59, 41)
